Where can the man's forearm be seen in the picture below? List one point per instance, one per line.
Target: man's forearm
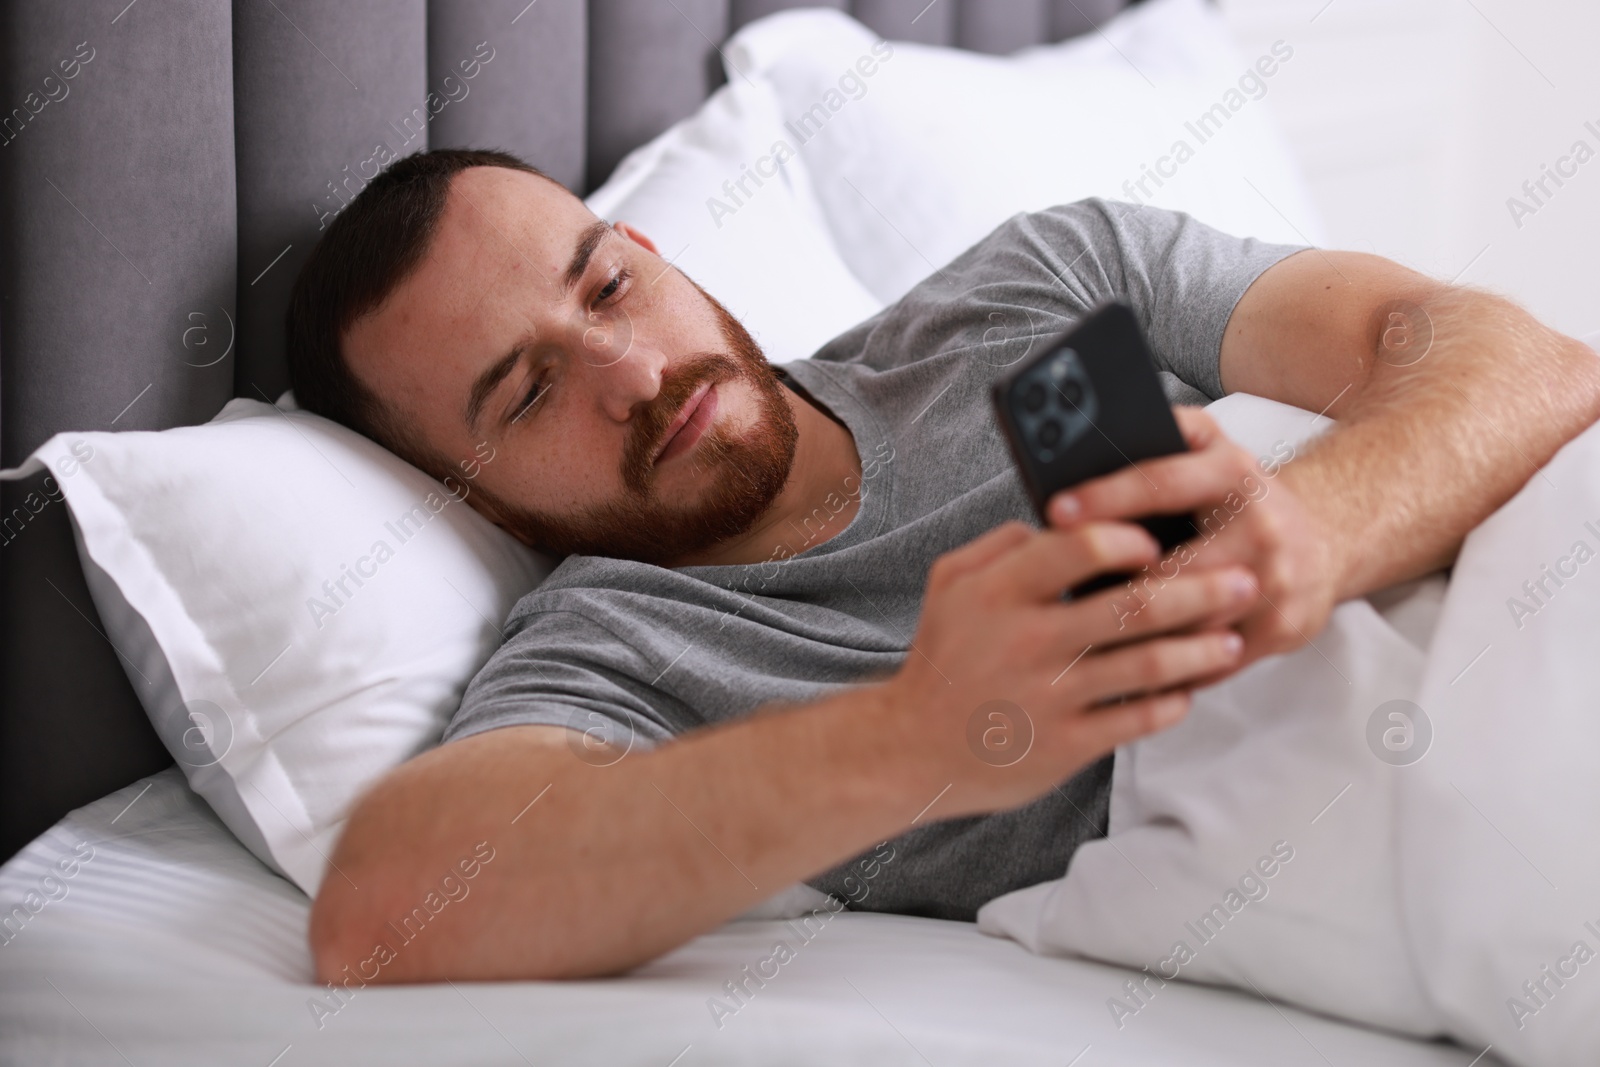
(1427, 448)
(609, 866)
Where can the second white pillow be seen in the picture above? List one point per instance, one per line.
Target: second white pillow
(918, 152)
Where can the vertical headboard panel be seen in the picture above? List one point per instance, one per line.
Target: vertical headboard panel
(1002, 26)
(1069, 18)
(102, 264)
(744, 11)
(650, 64)
(321, 92)
(117, 259)
(910, 20)
(165, 168)
(528, 97)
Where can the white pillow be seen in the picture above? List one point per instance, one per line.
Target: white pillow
(1396, 826)
(763, 250)
(919, 151)
(298, 610)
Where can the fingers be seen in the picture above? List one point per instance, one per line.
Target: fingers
(1198, 427)
(1117, 616)
(1153, 665)
(1040, 568)
(1239, 663)
(1098, 732)
(1272, 630)
(977, 553)
(1168, 485)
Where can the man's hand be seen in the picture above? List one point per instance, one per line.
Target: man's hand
(999, 655)
(1246, 517)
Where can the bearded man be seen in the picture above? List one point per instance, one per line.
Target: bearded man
(789, 593)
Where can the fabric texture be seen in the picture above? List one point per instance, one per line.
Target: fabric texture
(643, 653)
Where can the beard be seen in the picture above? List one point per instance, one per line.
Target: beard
(742, 475)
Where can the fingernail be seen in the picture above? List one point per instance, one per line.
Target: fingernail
(1233, 643)
(1240, 585)
(1067, 507)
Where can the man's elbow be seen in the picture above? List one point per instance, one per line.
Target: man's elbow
(426, 885)
(354, 943)
(348, 932)
(1582, 377)
(334, 930)
(433, 907)
(361, 934)
(398, 905)
(1564, 374)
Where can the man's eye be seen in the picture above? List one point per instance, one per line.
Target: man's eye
(535, 394)
(613, 285)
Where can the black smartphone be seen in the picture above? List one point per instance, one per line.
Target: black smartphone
(1089, 404)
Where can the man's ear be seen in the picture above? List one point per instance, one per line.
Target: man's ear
(636, 236)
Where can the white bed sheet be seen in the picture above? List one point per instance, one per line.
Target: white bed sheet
(174, 945)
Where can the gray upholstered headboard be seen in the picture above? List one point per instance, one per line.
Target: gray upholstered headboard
(165, 167)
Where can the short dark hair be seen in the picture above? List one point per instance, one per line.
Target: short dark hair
(372, 245)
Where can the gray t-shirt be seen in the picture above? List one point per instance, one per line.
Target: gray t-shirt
(643, 653)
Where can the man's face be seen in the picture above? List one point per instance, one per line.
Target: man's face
(626, 412)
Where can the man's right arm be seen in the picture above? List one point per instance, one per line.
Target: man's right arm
(598, 869)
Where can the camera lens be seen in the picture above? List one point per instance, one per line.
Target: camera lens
(1071, 392)
(1033, 397)
(1050, 433)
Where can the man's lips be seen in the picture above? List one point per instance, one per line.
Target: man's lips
(691, 423)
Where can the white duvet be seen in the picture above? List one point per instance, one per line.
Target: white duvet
(1398, 825)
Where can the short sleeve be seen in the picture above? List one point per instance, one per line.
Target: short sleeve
(1182, 277)
(1039, 273)
(562, 669)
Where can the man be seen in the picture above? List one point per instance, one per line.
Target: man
(819, 585)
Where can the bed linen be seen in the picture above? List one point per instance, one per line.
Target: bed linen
(1395, 824)
(171, 944)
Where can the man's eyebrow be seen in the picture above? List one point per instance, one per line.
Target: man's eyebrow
(487, 382)
(588, 241)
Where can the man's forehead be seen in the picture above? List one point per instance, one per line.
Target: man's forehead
(511, 218)
(499, 231)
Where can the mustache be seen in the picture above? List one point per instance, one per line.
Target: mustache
(650, 425)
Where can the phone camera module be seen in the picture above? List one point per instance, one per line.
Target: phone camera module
(1054, 404)
(1034, 396)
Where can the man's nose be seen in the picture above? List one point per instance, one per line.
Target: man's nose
(625, 377)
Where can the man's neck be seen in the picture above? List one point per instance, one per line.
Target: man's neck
(818, 501)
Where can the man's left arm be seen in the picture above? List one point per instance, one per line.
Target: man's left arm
(1447, 400)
